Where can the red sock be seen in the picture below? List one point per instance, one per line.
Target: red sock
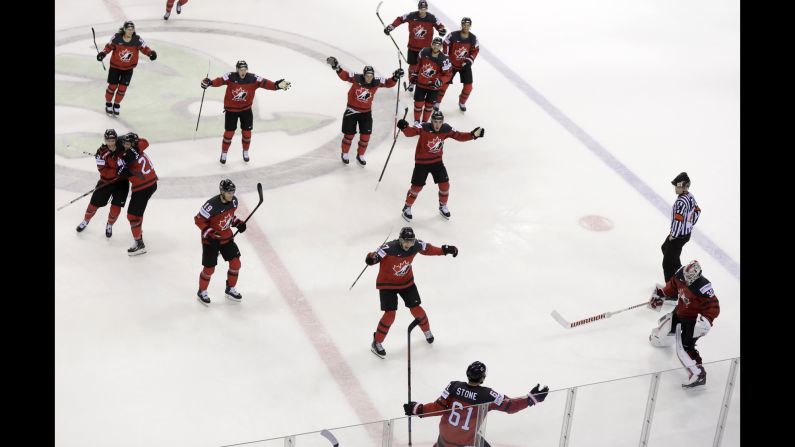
(364, 139)
(90, 210)
(115, 210)
(135, 225)
(411, 196)
(169, 5)
(419, 313)
(440, 96)
(426, 114)
(444, 192)
(347, 139)
(412, 69)
(110, 91)
(204, 277)
(246, 139)
(418, 110)
(227, 141)
(231, 274)
(383, 326)
(462, 99)
(120, 93)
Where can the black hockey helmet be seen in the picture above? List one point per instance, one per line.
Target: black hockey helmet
(368, 69)
(128, 24)
(476, 372)
(422, 4)
(407, 233)
(110, 134)
(437, 40)
(466, 20)
(437, 115)
(241, 64)
(227, 185)
(681, 180)
(130, 137)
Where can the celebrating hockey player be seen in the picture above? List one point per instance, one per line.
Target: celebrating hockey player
(109, 185)
(428, 158)
(695, 313)
(215, 220)
(125, 45)
(462, 48)
(396, 277)
(461, 417)
(240, 89)
(431, 73)
(421, 24)
(170, 4)
(359, 108)
(136, 166)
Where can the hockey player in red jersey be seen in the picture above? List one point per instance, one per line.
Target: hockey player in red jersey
(461, 412)
(109, 185)
(428, 158)
(421, 24)
(241, 86)
(359, 108)
(136, 166)
(432, 71)
(215, 220)
(462, 48)
(396, 277)
(124, 45)
(170, 4)
(696, 309)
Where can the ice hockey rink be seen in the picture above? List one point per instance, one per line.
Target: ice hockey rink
(590, 110)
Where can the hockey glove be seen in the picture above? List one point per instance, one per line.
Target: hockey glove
(240, 225)
(402, 124)
(398, 74)
(437, 83)
(656, 303)
(388, 29)
(478, 132)
(153, 56)
(206, 82)
(536, 396)
(412, 408)
(442, 32)
(372, 259)
(282, 84)
(450, 250)
(100, 56)
(331, 60)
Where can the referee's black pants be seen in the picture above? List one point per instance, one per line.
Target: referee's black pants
(672, 249)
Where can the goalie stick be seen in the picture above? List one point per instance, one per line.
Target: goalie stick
(559, 318)
(328, 435)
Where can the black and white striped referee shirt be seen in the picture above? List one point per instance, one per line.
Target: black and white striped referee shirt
(684, 215)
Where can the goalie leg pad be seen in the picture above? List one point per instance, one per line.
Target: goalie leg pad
(661, 335)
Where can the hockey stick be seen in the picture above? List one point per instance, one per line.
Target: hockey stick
(95, 46)
(202, 103)
(411, 326)
(89, 192)
(405, 112)
(365, 267)
(397, 99)
(390, 36)
(559, 318)
(333, 440)
(259, 190)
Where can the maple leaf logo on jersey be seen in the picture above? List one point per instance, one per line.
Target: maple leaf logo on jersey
(684, 297)
(419, 32)
(362, 94)
(435, 145)
(461, 53)
(402, 268)
(125, 55)
(239, 94)
(428, 71)
(226, 222)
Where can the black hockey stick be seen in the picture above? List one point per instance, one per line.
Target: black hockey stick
(411, 326)
(405, 112)
(365, 267)
(390, 36)
(331, 438)
(87, 193)
(397, 99)
(259, 190)
(95, 46)
(202, 104)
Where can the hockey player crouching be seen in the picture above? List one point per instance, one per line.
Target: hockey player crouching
(215, 220)
(695, 312)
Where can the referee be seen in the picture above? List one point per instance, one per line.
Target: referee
(684, 216)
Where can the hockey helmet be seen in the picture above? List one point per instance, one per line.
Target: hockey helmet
(241, 64)
(466, 20)
(437, 115)
(227, 185)
(681, 180)
(407, 234)
(128, 24)
(422, 4)
(691, 272)
(476, 372)
(368, 69)
(436, 41)
(110, 134)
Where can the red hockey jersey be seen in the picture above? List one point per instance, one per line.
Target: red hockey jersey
(143, 172)
(431, 67)
(431, 145)
(420, 28)
(460, 49)
(219, 216)
(395, 271)
(125, 54)
(106, 163)
(240, 91)
(361, 94)
(697, 298)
